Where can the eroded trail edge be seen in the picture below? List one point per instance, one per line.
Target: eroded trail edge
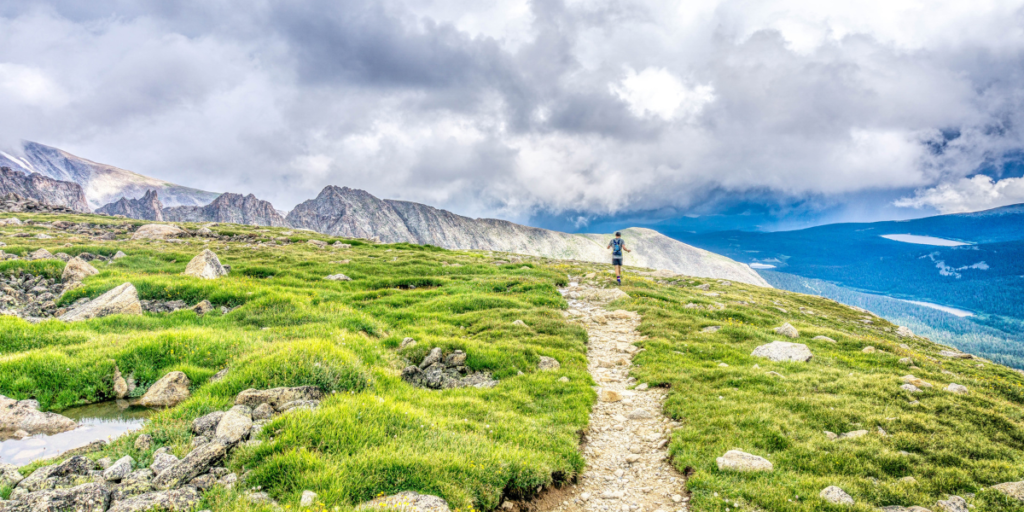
(626, 446)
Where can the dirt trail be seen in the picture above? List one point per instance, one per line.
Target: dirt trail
(627, 444)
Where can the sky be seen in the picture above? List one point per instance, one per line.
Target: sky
(564, 113)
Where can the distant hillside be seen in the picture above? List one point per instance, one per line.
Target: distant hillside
(42, 189)
(102, 183)
(342, 211)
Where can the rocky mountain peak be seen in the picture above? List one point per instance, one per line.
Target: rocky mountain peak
(148, 207)
(45, 190)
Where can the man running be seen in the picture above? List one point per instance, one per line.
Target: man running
(617, 245)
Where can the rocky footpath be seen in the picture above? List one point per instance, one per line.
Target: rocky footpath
(626, 444)
(168, 483)
(438, 370)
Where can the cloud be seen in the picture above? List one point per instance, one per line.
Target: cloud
(513, 107)
(968, 195)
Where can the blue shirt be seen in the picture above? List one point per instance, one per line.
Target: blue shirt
(617, 244)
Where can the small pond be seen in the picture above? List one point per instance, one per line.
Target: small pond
(104, 420)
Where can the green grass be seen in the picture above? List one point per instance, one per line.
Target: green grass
(375, 434)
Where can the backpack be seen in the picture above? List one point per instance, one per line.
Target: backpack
(617, 244)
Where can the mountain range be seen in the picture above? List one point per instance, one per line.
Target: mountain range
(102, 183)
(342, 211)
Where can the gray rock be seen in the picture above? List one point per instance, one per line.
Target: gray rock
(784, 351)
(910, 387)
(903, 332)
(547, 364)
(207, 425)
(143, 442)
(788, 331)
(169, 391)
(176, 500)
(203, 482)
(77, 270)
(853, 434)
(1012, 489)
(953, 504)
(277, 396)
(205, 265)
(158, 232)
(736, 460)
(235, 425)
(92, 497)
(407, 342)
(957, 389)
(263, 412)
(833, 494)
(9, 475)
(457, 358)
(407, 501)
(24, 415)
(70, 473)
(162, 461)
(118, 255)
(40, 254)
(122, 300)
(338, 277)
(824, 338)
(308, 499)
(118, 470)
(299, 404)
(194, 464)
(198, 441)
(434, 356)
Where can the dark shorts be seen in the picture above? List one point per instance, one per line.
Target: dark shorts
(617, 260)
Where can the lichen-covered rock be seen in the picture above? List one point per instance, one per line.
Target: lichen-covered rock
(784, 351)
(158, 232)
(194, 464)
(40, 254)
(207, 425)
(70, 473)
(162, 461)
(9, 475)
(904, 332)
(262, 412)
(169, 391)
(833, 494)
(957, 389)
(176, 500)
(736, 460)
(407, 501)
(1012, 489)
(206, 265)
(118, 470)
(824, 338)
(143, 442)
(92, 497)
(122, 300)
(277, 397)
(953, 504)
(77, 270)
(24, 415)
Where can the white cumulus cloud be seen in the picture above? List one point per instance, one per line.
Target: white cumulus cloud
(968, 195)
(657, 92)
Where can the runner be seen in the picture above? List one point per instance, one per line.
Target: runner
(617, 245)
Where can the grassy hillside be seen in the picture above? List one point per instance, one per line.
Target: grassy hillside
(376, 434)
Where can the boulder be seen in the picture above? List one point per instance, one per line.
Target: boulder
(203, 307)
(77, 270)
(12, 221)
(92, 497)
(957, 388)
(169, 391)
(9, 475)
(158, 232)
(548, 364)
(119, 469)
(263, 412)
(143, 442)
(162, 461)
(910, 388)
(903, 332)
(120, 385)
(122, 300)
(824, 338)
(853, 434)
(833, 494)
(40, 254)
(736, 460)
(784, 351)
(953, 504)
(407, 501)
(24, 415)
(176, 500)
(434, 356)
(906, 361)
(1014, 490)
(920, 383)
(118, 255)
(205, 265)
(338, 277)
(869, 350)
(194, 464)
(70, 473)
(235, 425)
(788, 331)
(277, 397)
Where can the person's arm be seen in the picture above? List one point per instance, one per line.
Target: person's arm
(624, 247)
(609, 245)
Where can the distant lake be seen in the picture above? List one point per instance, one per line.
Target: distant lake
(924, 240)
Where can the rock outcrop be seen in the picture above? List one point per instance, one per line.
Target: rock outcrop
(228, 207)
(19, 187)
(440, 371)
(784, 351)
(23, 418)
(77, 270)
(342, 211)
(122, 300)
(148, 207)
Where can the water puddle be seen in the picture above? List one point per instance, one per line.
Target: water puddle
(104, 420)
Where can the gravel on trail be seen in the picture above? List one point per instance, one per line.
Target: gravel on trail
(626, 445)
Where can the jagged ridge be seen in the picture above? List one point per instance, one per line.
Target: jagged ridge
(43, 189)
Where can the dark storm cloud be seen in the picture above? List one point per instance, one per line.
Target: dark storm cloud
(513, 106)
